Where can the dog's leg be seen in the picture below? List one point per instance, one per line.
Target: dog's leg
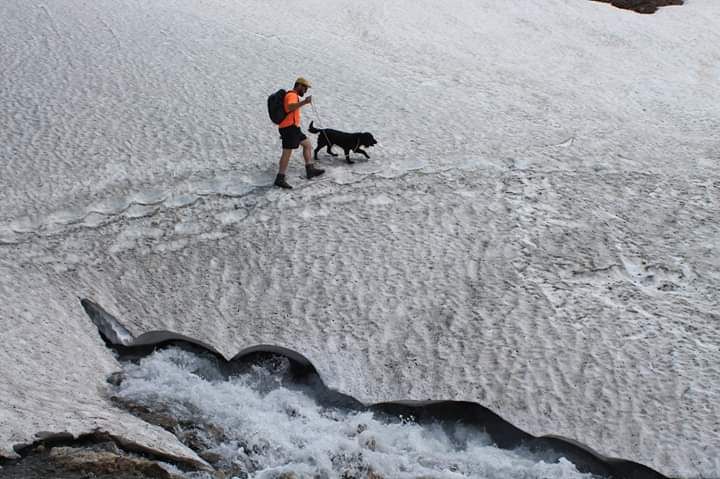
(347, 157)
(360, 150)
(330, 152)
(321, 143)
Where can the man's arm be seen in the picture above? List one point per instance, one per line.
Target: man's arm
(294, 106)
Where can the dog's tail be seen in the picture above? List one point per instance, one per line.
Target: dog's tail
(312, 129)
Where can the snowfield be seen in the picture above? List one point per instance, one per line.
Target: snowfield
(537, 230)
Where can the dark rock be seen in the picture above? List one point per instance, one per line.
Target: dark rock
(160, 418)
(211, 457)
(116, 378)
(106, 462)
(642, 6)
(98, 461)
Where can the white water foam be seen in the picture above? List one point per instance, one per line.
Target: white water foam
(270, 429)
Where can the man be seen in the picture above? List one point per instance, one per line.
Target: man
(291, 134)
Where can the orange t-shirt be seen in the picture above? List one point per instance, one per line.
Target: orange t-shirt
(294, 117)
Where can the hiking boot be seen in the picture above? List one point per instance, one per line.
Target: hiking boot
(280, 181)
(312, 171)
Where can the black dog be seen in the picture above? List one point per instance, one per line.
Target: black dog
(347, 141)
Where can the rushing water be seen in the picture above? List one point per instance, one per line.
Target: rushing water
(255, 424)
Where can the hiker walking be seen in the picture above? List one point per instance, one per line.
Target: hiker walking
(291, 134)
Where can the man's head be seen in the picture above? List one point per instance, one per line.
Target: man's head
(301, 86)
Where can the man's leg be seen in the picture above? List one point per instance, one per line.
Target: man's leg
(282, 169)
(284, 161)
(307, 155)
(307, 151)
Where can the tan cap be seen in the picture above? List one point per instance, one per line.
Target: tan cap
(302, 81)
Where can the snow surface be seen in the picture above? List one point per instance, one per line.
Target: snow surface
(537, 230)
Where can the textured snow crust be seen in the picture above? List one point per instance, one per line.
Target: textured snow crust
(537, 230)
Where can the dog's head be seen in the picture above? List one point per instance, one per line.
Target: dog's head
(366, 139)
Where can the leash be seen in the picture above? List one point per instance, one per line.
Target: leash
(320, 122)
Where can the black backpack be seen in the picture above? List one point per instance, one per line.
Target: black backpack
(276, 107)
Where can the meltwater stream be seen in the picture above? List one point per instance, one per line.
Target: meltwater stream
(258, 424)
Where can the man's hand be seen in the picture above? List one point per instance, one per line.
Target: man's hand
(307, 100)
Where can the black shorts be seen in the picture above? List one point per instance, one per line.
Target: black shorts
(291, 137)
